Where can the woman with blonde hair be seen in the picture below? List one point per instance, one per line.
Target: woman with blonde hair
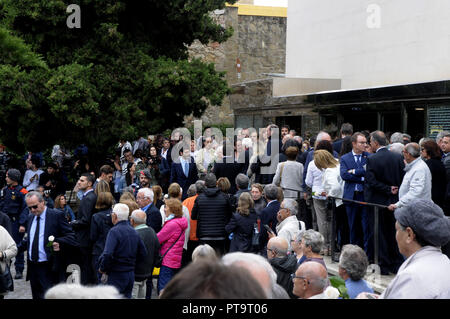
(241, 224)
(332, 185)
(61, 204)
(157, 196)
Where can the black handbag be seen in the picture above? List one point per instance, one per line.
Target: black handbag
(256, 234)
(6, 280)
(158, 262)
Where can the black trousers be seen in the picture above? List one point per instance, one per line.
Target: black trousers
(88, 277)
(41, 278)
(389, 257)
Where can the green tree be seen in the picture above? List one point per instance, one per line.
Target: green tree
(125, 72)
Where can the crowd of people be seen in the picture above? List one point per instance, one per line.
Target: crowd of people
(257, 209)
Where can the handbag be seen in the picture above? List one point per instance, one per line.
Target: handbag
(256, 234)
(6, 280)
(159, 260)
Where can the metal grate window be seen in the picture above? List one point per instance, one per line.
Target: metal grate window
(438, 120)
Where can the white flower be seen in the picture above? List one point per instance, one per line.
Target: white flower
(331, 292)
(51, 238)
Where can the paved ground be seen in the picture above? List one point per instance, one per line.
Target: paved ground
(22, 289)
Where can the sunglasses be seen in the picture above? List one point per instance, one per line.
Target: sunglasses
(33, 207)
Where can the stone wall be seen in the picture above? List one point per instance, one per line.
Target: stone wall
(260, 44)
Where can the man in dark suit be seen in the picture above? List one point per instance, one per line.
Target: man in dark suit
(228, 167)
(346, 130)
(184, 171)
(353, 172)
(384, 175)
(269, 216)
(166, 163)
(43, 224)
(82, 226)
(144, 199)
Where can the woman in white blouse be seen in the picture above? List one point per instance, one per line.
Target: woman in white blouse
(289, 174)
(332, 185)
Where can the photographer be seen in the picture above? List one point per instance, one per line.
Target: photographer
(52, 180)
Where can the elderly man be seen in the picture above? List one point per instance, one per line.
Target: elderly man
(260, 269)
(144, 199)
(310, 281)
(144, 269)
(417, 180)
(123, 250)
(288, 225)
(422, 229)
(283, 264)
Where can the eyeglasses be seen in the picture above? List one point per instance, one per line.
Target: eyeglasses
(33, 207)
(293, 276)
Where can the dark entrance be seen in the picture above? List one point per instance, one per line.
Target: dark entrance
(294, 122)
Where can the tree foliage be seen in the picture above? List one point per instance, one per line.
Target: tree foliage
(124, 73)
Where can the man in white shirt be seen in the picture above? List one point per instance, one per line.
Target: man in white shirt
(31, 177)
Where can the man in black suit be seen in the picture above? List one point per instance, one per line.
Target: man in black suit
(267, 164)
(346, 130)
(184, 171)
(384, 175)
(269, 216)
(144, 199)
(43, 224)
(228, 167)
(82, 226)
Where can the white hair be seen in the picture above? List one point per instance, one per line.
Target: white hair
(397, 148)
(138, 220)
(247, 142)
(321, 136)
(291, 204)
(77, 291)
(253, 261)
(148, 193)
(203, 251)
(122, 211)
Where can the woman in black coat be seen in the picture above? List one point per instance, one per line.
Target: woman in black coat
(241, 224)
(100, 226)
(430, 152)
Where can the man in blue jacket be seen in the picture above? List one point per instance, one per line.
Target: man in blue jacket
(352, 172)
(123, 249)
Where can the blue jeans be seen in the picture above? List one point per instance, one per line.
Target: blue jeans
(165, 275)
(123, 281)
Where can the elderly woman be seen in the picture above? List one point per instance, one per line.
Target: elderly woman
(241, 224)
(422, 229)
(353, 264)
(8, 250)
(289, 174)
(202, 252)
(312, 243)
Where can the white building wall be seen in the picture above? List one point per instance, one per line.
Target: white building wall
(332, 39)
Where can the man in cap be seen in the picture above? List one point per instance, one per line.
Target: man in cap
(422, 229)
(13, 204)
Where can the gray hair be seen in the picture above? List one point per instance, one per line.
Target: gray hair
(298, 237)
(122, 211)
(397, 148)
(138, 220)
(242, 181)
(321, 136)
(77, 291)
(192, 190)
(35, 193)
(200, 186)
(441, 135)
(203, 251)
(210, 180)
(354, 261)
(313, 239)
(148, 193)
(380, 138)
(252, 261)
(413, 149)
(271, 191)
(290, 204)
(396, 137)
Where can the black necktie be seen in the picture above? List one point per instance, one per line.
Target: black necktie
(35, 247)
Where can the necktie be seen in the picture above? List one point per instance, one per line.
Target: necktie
(359, 187)
(186, 168)
(35, 247)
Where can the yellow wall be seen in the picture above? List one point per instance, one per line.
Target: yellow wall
(251, 10)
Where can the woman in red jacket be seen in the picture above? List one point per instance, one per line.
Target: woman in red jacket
(171, 240)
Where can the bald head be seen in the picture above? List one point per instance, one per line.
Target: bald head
(316, 276)
(138, 217)
(278, 246)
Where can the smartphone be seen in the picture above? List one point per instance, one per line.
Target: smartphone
(268, 229)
